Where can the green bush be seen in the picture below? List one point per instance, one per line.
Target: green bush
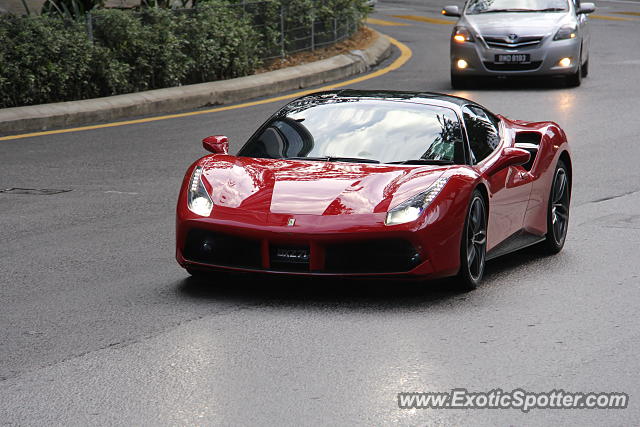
(220, 44)
(43, 60)
(49, 58)
(148, 45)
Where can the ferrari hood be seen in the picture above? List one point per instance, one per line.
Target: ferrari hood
(312, 187)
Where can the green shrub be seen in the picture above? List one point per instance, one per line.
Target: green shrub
(49, 58)
(43, 60)
(146, 43)
(220, 44)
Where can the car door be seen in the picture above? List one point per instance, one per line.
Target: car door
(509, 188)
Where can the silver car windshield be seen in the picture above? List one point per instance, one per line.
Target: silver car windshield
(496, 6)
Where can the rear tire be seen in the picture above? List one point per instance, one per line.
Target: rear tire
(473, 248)
(558, 210)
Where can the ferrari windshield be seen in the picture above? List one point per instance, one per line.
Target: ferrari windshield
(357, 130)
(495, 6)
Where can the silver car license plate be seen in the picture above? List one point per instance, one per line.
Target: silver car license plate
(513, 58)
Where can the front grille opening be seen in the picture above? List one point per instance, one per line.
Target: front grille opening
(513, 67)
(225, 250)
(524, 42)
(371, 256)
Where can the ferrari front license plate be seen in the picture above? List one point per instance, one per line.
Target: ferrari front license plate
(513, 58)
(290, 255)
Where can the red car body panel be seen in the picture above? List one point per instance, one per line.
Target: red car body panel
(337, 203)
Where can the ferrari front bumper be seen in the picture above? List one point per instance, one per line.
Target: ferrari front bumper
(321, 250)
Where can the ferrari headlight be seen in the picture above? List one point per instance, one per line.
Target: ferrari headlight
(199, 201)
(411, 209)
(461, 35)
(567, 32)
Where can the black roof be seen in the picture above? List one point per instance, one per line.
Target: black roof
(392, 95)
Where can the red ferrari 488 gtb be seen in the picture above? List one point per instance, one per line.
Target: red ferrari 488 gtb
(376, 183)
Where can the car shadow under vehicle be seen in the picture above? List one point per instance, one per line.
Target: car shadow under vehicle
(286, 291)
(517, 83)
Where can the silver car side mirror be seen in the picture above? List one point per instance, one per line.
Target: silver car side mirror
(451, 11)
(586, 8)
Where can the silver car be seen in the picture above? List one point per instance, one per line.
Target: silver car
(520, 38)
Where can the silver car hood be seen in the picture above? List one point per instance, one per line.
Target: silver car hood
(521, 24)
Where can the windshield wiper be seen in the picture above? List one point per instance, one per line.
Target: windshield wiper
(507, 10)
(423, 162)
(550, 9)
(335, 159)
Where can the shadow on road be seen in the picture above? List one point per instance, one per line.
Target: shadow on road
(515, 83)
(317, 292)
(265, 290)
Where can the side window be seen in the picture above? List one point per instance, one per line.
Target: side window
(482, 131)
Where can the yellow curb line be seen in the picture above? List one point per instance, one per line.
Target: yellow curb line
(405, 54)
(610, 18)
(425, 19)
(628, 13)
(384, 23)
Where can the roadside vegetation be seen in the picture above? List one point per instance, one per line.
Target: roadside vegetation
(78, 50)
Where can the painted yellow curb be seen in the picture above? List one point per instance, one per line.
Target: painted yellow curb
(425, 19)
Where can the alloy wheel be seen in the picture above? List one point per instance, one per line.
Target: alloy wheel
(476, 238)
(560, 206)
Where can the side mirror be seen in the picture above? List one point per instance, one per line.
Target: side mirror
(509, 157)
(451, 11)
(217, 144)
(586, 8)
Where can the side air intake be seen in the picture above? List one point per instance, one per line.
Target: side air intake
(529, 141)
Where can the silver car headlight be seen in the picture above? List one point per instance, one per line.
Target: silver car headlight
(566, 32)
(462, 35)
(198, 201)
(411, 209)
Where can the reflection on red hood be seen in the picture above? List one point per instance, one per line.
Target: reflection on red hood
(312, 187)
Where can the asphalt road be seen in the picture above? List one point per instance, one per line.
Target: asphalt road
(99, 325)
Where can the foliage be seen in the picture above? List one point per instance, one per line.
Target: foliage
(44, 60)
(60, 57)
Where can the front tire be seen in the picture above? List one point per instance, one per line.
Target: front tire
(575, 79)
(558, 210)
(473, 247)
(585, 69)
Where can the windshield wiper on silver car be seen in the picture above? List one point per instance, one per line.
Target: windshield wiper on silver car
(507, 10)
(550, 9)
(335, 159)
(423, 162)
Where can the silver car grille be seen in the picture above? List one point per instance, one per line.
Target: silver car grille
(505, 42)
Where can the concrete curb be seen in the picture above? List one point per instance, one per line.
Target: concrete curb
(64, 114)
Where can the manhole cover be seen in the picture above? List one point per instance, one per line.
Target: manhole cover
(33, 191)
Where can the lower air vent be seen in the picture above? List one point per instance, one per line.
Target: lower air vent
(371, 256)
(512, 67)
(222, 249)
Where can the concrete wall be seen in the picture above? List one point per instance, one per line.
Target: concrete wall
(16, 6)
